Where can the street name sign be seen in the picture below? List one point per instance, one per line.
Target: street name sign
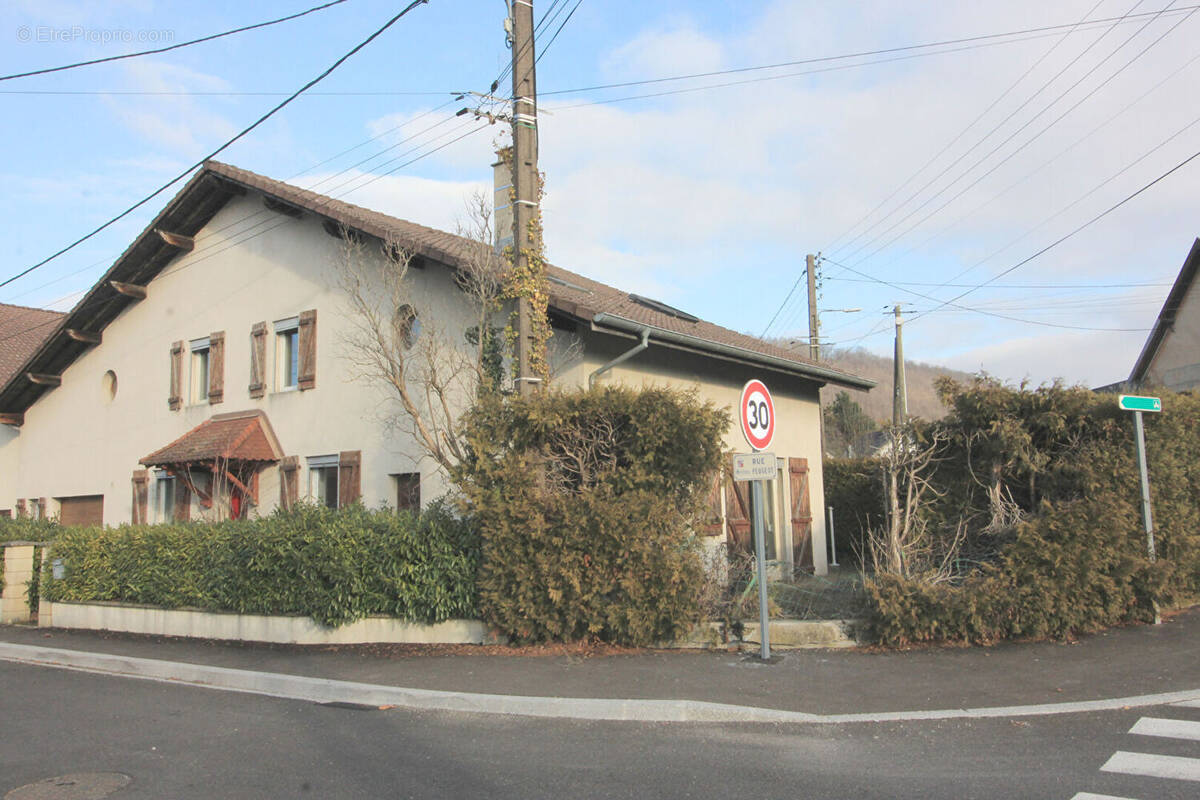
(1132, 402)
(754, 466)
(757, 414)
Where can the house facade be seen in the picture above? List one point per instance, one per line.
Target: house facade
(208, 374)
(1171, 355)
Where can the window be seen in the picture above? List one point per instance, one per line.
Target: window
(408, 326)
(323, 480)
(287, 354)
(198, 391)
(408, 491)
(164, 497)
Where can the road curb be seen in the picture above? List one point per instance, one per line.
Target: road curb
(325, 690)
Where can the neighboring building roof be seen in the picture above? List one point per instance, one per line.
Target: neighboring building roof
(604, 307)
(22, 330)
(236, 436)
(1166, 317)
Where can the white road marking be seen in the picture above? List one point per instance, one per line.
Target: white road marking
(1167, 728)
(1190, 703)
(1090, 796)
(1153, 766)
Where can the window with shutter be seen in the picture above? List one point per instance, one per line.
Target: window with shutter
(21, 512)
(175, 398)
(307, 345)
(141, 487)
(289, 482)
(349, 477)
(216, 367)
(408, 491)
(258, 359)
(801, 513)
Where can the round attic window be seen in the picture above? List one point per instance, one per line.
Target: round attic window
(408, 325)
(109, 386)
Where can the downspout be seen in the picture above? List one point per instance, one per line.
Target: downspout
(628, 354)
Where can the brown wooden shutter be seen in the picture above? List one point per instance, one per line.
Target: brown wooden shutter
(175, 399)
(737, 515)
(183, 498)
(258, 359)
(714, 519)
(349, 477)
(802, 551)
(216, 367)
(43, 509)
(289, 482)
(22, 512)
(141, 499)
(307, 377)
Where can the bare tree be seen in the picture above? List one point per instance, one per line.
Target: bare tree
(905, 545)
(430, 368)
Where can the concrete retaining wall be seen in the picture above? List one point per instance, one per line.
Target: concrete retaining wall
(129, 618)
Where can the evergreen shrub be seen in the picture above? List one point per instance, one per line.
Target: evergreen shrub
(333, 566)
(854, 489)
(586, 504)
(1076, 560)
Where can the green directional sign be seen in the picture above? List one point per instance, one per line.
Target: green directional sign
(1131, 402)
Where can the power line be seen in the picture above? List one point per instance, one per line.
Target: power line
(1067, 236)
(209, 38)
(980, 310)
(864, 53)
(835, 243)
(217, 249)
(1008, 139)
(1026, 286)
(224, 146)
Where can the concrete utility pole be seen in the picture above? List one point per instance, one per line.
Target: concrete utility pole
(814, 318)
(899, 388)
(524, 174)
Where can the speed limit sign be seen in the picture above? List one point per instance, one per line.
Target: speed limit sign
(757, 413)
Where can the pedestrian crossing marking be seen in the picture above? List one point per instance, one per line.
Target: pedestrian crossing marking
(1169, 728)
(1154, 766)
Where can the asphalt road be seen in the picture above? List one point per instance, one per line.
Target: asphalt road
(182, 742)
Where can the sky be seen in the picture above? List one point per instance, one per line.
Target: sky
(952, 157)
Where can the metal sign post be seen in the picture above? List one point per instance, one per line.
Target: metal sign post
(756, 411)
(1137, 405)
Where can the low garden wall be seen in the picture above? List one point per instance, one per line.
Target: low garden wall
(133, 618)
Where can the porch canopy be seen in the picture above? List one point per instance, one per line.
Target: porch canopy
(232, 447)
(240, 436)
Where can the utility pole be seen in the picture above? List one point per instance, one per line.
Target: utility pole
(524, 175)
(814, 318)
(899, 387)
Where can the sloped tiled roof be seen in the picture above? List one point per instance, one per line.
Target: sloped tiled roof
(210, 189)
(22, 331)
(570, 293)
(237, 436)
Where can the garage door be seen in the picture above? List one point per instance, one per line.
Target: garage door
(82, 510)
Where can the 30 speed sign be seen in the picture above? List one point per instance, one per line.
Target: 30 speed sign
(757, 413)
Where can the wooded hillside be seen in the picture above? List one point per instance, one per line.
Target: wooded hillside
(877, 403)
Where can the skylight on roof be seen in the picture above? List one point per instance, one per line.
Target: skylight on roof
(568, 284)
(663, 308)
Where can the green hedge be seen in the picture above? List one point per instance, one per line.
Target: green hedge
(586, 503)
(854, 489)
(333, 566)
(1078, 561)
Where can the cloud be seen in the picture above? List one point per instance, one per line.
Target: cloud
(175, 124)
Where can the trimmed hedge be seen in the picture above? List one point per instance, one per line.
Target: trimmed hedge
(854, 489)
(333, 566)
(586, 503)
(1078, 561)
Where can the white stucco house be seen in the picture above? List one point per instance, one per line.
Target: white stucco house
(207, 368)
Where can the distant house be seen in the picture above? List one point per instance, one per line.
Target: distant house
(1170, 358)
(206, 372)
